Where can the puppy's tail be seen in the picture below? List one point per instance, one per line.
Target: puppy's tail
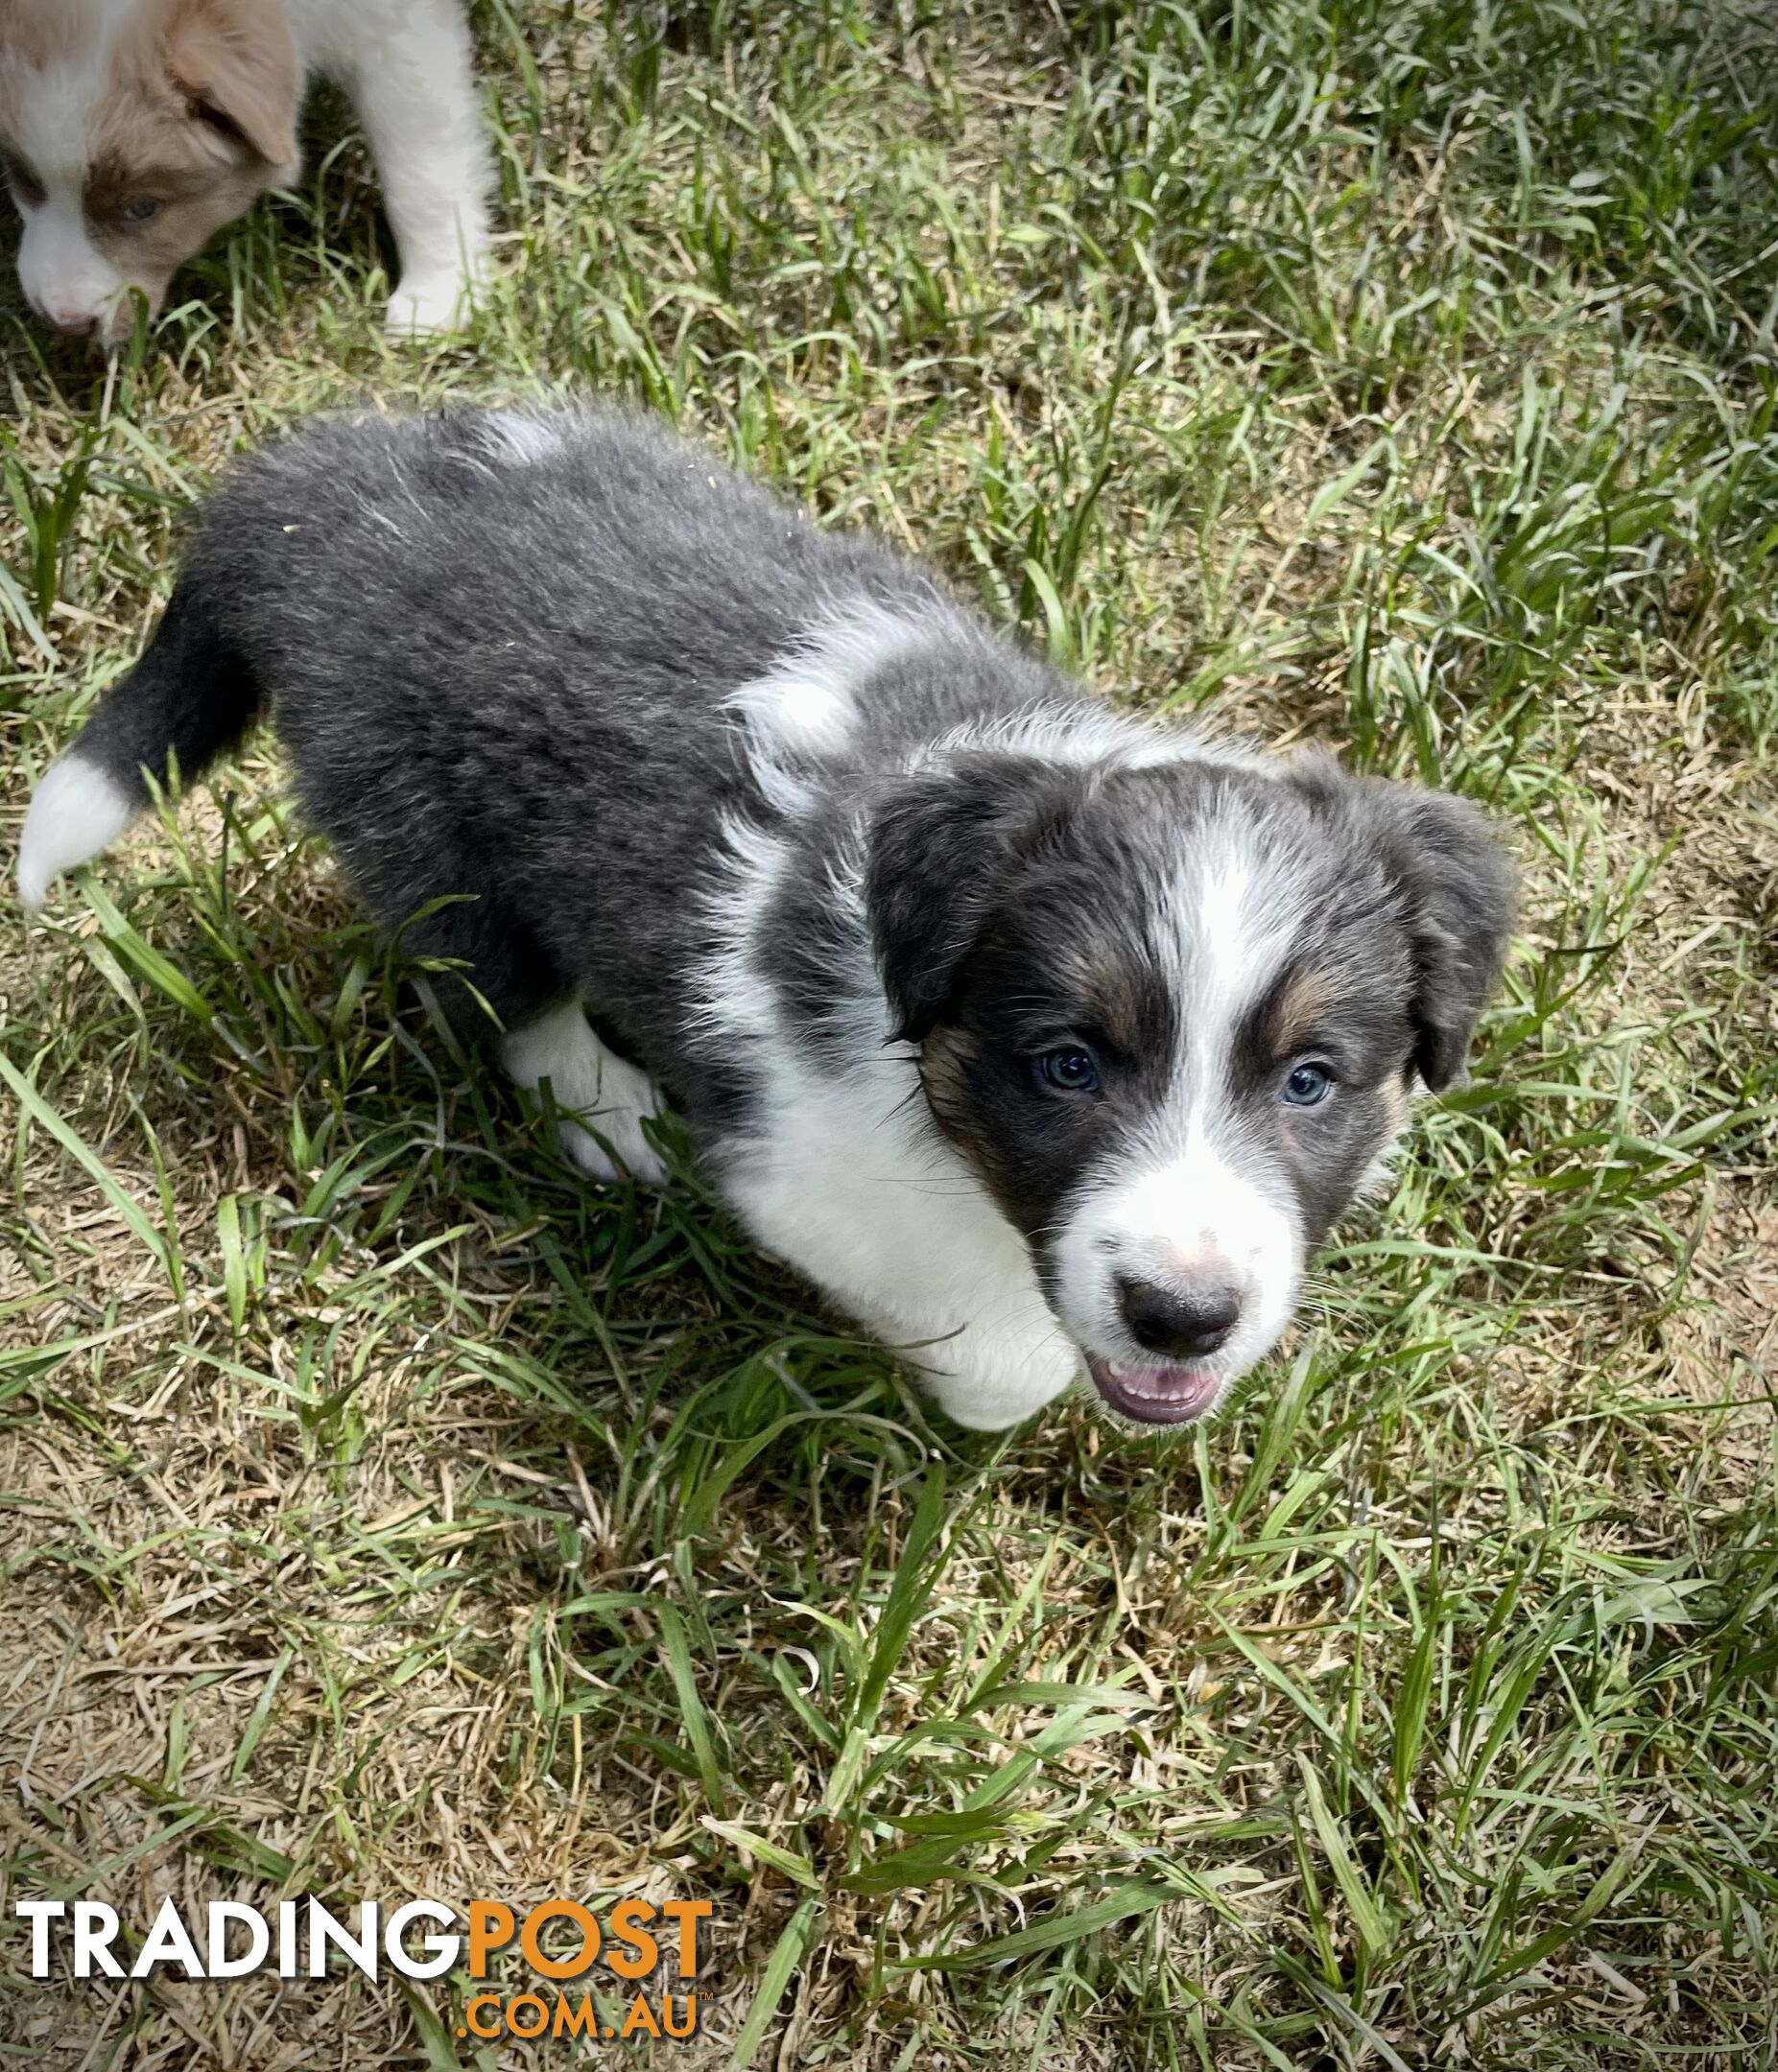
(190, 698)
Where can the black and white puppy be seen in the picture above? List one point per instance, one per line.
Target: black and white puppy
(1044, 1040)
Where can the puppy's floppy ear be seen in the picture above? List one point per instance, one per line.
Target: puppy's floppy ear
(1459, 886)
(234, 60)
(940, 846)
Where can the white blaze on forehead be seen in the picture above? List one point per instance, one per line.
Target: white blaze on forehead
(55, 105)
(1231, 913)
(51, 124)
(1193, 1200)
(59, 269)
(1230, 916)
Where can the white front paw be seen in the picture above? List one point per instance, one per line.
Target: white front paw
(986, 1380)
(640, 1161)
(430, 303)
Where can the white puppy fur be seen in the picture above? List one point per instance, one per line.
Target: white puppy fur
(405, 64)
(609, 1098)
(839, 1173)
(75, 813)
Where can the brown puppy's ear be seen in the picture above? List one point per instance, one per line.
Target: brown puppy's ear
(234, 60)
(941, 844)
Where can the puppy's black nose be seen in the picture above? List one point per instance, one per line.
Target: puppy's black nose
(1182, 1324)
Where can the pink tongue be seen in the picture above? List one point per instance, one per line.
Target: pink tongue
(1157, 1395)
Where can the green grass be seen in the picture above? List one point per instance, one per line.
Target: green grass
(387, 1510)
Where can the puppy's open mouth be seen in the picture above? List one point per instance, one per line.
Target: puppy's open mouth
(1156, 1395)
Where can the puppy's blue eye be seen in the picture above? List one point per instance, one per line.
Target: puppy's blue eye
(1069, 1070)
(138, 210)
(1308, 1086)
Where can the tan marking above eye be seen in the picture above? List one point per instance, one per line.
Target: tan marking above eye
(1299, 1009)
(1110, 990)
(945, 1058)
(1393, 1094)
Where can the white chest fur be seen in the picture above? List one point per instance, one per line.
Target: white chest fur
(846, 1180)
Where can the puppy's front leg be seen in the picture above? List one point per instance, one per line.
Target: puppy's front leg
(884, 1217)
(996, 1370)
(414, 90)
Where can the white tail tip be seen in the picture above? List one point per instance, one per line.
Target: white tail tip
(76, 813)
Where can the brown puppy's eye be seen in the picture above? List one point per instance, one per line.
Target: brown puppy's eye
(25, 185)
(139, 210)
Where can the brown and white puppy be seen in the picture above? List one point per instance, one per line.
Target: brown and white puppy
(132, 130)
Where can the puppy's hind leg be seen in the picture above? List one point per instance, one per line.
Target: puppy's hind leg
(497, 989)
(415, 94)
(609, 1097)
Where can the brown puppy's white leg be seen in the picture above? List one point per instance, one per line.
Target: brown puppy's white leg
(415, 95)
